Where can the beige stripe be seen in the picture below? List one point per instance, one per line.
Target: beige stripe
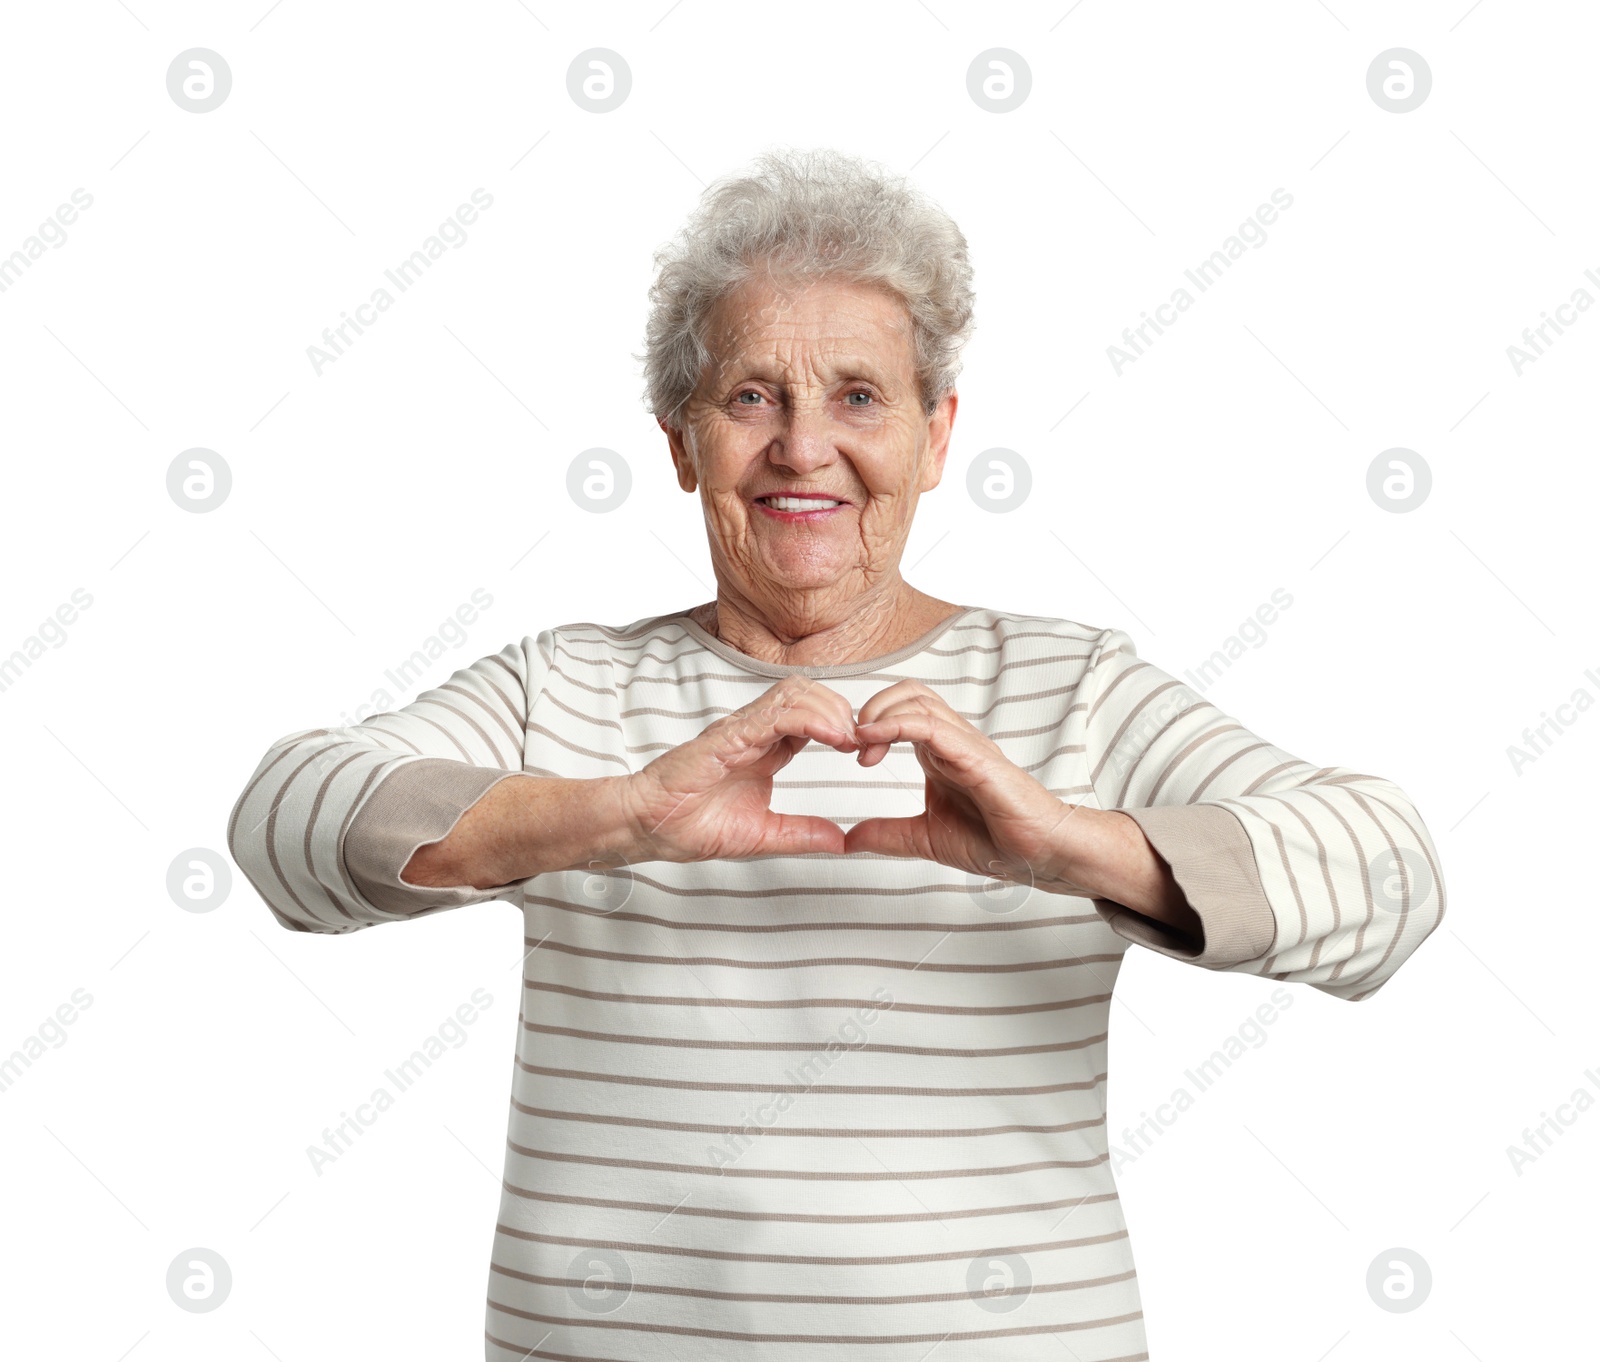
(825, 1260)
(349, 813)
(1362, 859)
(1438, 885)
(693, 677)
(1054, 1005)
(573, 681)
(698, 1043)
(270, 834)
(639, 1326)
(844, 1089)
(809, 924)
(648, 626)
(1180, 762)
(792, 1298)
(597, 721)
(578, 748)
(806, 1175)
(1322, 864)
(547, 1356)
(453, 737)
(821, 889)
(796, 1217)
(1058, 791)
(287, 745)
(514, 754)
(1016, 664)
(828, 961)
(1228, 761)
(1051, 755)
(825, 1132)
(1294, 888)
(932, 650)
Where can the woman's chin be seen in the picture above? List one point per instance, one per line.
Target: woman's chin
(803, 576)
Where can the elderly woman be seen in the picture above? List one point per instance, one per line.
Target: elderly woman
(811, 1061)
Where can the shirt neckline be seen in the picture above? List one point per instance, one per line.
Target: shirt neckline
(780, 669)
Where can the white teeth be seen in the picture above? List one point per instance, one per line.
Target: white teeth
(799, 503)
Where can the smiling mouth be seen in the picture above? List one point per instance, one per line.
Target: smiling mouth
(790, 505)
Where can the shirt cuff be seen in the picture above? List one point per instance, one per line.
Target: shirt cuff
(414, 804)
(1214, 864)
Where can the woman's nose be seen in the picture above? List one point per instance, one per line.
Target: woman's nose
(807, 438)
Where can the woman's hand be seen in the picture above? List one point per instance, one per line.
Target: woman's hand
(983, 813)
(710, 798)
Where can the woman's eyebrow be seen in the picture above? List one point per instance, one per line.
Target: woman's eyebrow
(841, 370)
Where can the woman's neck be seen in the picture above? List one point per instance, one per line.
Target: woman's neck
(801, 634)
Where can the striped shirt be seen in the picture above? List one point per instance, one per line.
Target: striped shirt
(833, 1107)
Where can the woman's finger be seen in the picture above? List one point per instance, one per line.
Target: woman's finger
(906, 696)
(892, 837)
(892, 697)
(783, 712)
(952, 745)
(792, 834)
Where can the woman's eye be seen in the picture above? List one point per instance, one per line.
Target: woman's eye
(748, 392)
(859, 392)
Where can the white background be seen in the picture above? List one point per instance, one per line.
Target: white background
(430, 459)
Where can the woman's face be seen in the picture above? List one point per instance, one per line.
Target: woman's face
(811, 390)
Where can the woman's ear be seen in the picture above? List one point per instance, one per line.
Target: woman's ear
(682, 464)
(939, 424)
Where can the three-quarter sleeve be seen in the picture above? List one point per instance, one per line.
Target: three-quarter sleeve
(1315, 875)
(331, 816)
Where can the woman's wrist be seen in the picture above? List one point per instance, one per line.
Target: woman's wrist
(555, 824)
(1104, 853)
(528, 825)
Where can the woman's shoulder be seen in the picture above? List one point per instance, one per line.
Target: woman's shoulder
(1015, 626)
(593, 641)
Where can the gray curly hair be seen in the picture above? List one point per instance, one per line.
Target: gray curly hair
(801, 215)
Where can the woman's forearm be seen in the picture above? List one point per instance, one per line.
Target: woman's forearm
(525, 826)
(1106, 855)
